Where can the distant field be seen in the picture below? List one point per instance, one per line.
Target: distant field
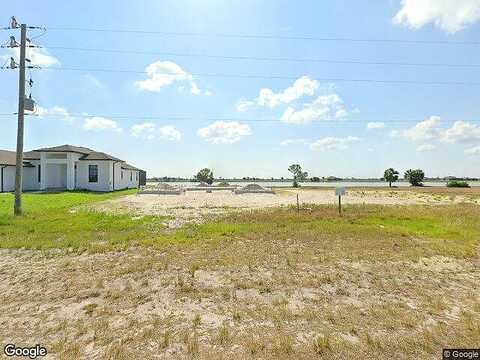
(381, 281)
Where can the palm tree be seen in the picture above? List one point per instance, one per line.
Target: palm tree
(415, 177)
(390, 175)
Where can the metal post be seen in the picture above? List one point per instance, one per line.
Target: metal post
(340, 205)
(21, 111)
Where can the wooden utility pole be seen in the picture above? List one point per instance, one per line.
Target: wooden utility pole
(21, 114)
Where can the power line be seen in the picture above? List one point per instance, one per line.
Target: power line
(262, 36)
(188, 117)
(262, 58)
(273, 77)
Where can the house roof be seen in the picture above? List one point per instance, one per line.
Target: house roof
(9, 158)
(66, 148)
(87, 154)
(31, 155)
(126, 166)
(94, 155)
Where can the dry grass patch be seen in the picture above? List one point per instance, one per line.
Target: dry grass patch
(272, 285)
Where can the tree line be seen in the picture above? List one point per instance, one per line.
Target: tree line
(414, 176)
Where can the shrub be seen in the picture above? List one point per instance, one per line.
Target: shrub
(205, 175)
(458, 184)
(415, 177)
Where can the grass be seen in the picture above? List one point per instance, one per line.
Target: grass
(377, 282)
(58, 220)
(64, 221)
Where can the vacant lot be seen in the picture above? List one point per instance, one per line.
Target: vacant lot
(194, 206)
(379, 282)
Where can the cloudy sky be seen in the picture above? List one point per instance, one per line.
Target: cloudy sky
(248, 87)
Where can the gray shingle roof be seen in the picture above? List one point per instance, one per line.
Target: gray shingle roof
(126, 166)
(9, 158)
(31, 155)
(88, 154)
(66, 148)
(99, 156)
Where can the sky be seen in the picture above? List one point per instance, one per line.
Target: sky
(248, 87)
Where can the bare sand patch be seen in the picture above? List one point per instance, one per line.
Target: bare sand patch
(151, 305)
(194, 206)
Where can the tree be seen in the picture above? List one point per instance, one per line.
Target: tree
(298, 174)
(415, 177)
(390, 175)
(205, 175)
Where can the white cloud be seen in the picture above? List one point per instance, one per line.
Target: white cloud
(448, 15)
(375, 125)
(462, 132)
(473, 151)
(170, 133)
(244, 105)
(425, 147)
(57, 112)
(38, 57)
(222, 132)
(144, 130)
(428, 130)
(150, 131)
(293, 142)
(165, 73)
(423, 131)
(325, 107)
(98, 123)
(333, 143)
(303, 86)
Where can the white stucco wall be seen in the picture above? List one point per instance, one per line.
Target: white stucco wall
(29, 179)
(9, 178)
(124, 182)
(56, 175)
(60, 170)
(105, 172)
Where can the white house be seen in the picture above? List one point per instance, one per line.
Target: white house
(68, 167)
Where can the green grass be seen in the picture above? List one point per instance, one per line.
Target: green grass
(61, 221)
(58, 221)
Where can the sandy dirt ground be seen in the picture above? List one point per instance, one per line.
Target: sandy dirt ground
(194, 206)
(144, 304)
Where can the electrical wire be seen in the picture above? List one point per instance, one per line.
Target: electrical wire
(263, 36)
(274, 77)
(260, 58)
(189, 117)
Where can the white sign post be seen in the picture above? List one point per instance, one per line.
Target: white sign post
(340, 191)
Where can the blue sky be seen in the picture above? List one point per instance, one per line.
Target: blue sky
(180, 115)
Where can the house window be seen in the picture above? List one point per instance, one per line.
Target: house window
(39, 174)
(131, 176)
(136, 176)
(122, 174)
(93, 173)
